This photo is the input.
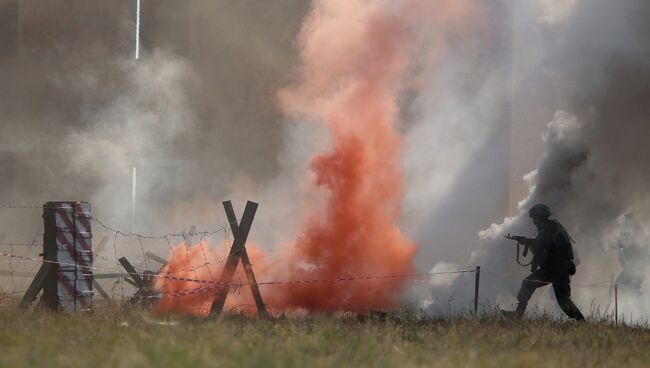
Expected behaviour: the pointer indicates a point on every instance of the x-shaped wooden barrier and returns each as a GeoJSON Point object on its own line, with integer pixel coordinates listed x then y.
{"type": "Point", "coordinates": [238, 251]}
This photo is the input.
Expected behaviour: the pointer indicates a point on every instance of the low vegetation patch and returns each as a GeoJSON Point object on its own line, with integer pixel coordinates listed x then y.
{"type": "Point", "coordinates": [114, 337]}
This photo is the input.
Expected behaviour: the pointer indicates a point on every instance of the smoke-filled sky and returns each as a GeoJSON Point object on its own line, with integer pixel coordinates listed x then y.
{"type": "Point", "coordinates": [204, 116]}
{"type": "Point", "coordinates": [593, 72]}
{"type": "Point", "coordinates": [195, 114]}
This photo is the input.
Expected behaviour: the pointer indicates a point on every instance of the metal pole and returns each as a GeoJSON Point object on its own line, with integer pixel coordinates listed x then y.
{"type": "Point", "coordinates": [476, 285]}
{"type": "Point", "coordinates": [134, 183]}
{"type": "Point", "coordinates": [616, 304]}
{"type": "Point", "coordinates": [137, 29]}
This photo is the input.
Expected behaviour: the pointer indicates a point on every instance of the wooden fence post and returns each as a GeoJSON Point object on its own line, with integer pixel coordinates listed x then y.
{"type": "Point", "coordinates": [476, 286]}
{"type": "Point", "coordinates": [616, 304]}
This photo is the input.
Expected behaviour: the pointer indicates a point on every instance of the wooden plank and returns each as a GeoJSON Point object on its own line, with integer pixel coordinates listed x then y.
{"type": "Point", "coordinates": [233, 257]}
{"type": "Point", "coordinates": [110, 275]}
{"type": "Point", "coordinates": [248, 267]}
{"type": "Point", "coordinates": [132, 272]}
{"type": "Point", "coordinates": [101, 245]}
{"type": "Point", "coordinates": [101, 290]}
{"type": "Point", "coordinates": [259, 302]}
{"type": "Point", "coordinates": [35, 286]}
{"type": "Point", "coordinates": [156, 258]}
{"type": "Point", "coordinates": [131, 282]}
{"type": "Point", "coordinates": [50, 296]}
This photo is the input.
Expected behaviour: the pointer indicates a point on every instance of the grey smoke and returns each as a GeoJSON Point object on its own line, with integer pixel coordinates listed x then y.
{"type": "Point", "coordinates": [634, 257]}
{"type": "Point", "coordinates": [197, 114]}
{"type": "Point", "coordinates": [594, 167]}
{"type": "Point", "coordinates": [458, 134]}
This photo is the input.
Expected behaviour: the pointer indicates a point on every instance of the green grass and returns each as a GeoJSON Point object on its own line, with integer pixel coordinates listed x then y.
{"type": "Point", "coordinates": [132, 338]}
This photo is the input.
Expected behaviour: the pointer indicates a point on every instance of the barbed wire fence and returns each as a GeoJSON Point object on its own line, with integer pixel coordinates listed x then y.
{"type": "Point", "coordinates": [149, 244]}
{"type": "Point", "coordinates": [23, 259]}
{"type": "Point", "coordinates": [19, 271]}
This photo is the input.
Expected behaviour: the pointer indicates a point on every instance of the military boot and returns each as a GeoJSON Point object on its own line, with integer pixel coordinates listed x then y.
{"type": "Point", "coordinates": [509, 314]}
{"type": "Point", "coordinates": [515, 314]}
{"type": "Point", "coordinates": [521, 309]}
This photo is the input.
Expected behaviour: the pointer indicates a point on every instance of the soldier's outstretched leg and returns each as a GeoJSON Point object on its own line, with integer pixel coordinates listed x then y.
{"type": "Point", "coordinates": [563, 295]}
{"type": "Point", "coordinates": [533, 281]}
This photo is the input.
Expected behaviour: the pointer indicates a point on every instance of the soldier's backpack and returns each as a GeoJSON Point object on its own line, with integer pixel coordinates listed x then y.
{"type": "Point", "coordinates": [563, 244]}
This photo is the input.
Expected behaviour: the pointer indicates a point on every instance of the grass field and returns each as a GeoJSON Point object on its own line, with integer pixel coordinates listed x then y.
{"type": "Point", "coordinates": [131, 338]}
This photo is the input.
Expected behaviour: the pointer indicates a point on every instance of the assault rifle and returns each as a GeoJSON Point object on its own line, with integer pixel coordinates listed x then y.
{"type": "Point", "coordinates": [521, 240]}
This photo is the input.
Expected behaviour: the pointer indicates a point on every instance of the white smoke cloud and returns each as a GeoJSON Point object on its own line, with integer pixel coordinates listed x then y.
{"type": "Point", "coordinates": [135, 128]}
{"type": "Point", "coordinates": [552, 12]}
{"type": "Point", "coordinates": [594, 53]}
{"type": "Point", "coordinates": [197, 119]}
{"type": "Point", "coordinates": [593, 168]}
{"type": "Point", "coordinates": [457, 132]}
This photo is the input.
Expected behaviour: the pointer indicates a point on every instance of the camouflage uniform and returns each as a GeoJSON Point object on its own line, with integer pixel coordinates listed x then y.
{"type": "Point", "coordinates": [553, 265]}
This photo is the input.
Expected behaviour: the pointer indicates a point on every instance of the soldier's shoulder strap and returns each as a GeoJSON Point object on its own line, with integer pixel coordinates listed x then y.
{"type": "Point", "coordinates": [567, 240]}
{"type": "Point", "coordinates": [563, 230]}
{"type": "Point", "coordinates": [554, 226]}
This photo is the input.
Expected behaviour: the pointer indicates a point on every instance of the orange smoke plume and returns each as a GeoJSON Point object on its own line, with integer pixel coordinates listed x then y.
{"type": "Point", "coordinates": [189, 281]}
{"type": "Point", "coordinates": [182, 296]}
{"type": "Point", "coordinates": [354, 55]}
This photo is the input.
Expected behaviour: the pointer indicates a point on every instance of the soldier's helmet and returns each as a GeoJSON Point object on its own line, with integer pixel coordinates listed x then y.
{"type": "Point", "coordinates": [540, 210]}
